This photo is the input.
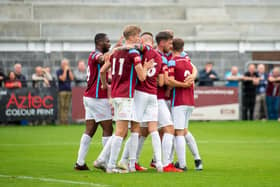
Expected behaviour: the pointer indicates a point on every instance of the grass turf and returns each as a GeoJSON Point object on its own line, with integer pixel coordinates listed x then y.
{"type": "Point", "coordinates": [234, 154]}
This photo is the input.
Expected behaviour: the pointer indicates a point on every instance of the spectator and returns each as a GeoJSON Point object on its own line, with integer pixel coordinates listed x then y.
{"type": "Point", "coordinates": [12, 81]}
{"type": "Point", "coordinates": [80, 74]}
{"type": "Point", "coordinates": [207, 76]}
{"type": "Point", "coordinates": [41, 78]}
{"type": "Point", "coordinates": [250, 82]}
{"type": "Point", "coordinates": [2, 77]}
{"type": "Point", "coordinates": [260, 111]}
{"type": "Point", "coordinates": [233, 77]}
{"type": "Point", "coordinates": [19, 75]}
{"type": "Point", "coordinates": [64, 76]}
{"type": "Point", "coordinates": [272, 94]}
{"type": "Point", "coordinates": [52, 79]}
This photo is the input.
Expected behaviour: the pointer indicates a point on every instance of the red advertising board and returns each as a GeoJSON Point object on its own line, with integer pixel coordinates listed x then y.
{"type": "Point", "coordinates": [216, 103]}
{"type": "Point", "coordinates": [211, 103]}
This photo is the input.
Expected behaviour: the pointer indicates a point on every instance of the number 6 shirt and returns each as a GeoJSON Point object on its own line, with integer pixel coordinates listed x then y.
{"type": "Point", "coordinates": [150, 84]}
{"type": "Point", "coordinates": [124, 76]}
{"type": "Point", "coordinates": [180, 68]}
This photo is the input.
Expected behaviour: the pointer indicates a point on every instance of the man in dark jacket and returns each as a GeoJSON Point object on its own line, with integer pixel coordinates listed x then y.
{"type": "Point", "coordinates": [207, 76]}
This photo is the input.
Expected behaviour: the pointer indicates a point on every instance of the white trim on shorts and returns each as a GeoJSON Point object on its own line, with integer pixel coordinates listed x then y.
{"type": "Point", "coordinates": [181, 115]}
{"type": "Point", "coordinates": [97, 109]}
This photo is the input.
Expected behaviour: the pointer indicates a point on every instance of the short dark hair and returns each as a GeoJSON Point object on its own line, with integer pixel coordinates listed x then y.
{"type": "Point", "coordinates": [163, 35]}
{"type": "Point", "coordinates": [178, 44]}
{"type": "Point", "coordinates": [99, 37]}
{"type": "Point", "coordinates": [147, 33]}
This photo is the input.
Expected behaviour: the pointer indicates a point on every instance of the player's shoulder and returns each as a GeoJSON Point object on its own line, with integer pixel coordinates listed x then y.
{"type": "Point", "coordinates": [133, 52]}
{"type": "Point", "coordinates": [94, 55]}
{"type": "Point", "coordinates": [172, 62]}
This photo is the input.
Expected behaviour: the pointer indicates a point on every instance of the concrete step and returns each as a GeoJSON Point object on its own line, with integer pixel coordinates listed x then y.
{"type": "Point", "coordinates": [19, 29]}
{"type": "Point", "coordinates": [117, 12]}
{"type": "Point", "coordinates": [199, 3]}
{"type": "Point", "coordinates": [15, 11]}
{"type": "Point", "coordinates": [54, 30]}
{"type": "Point", "coordinates": [207, 14]}
{"type": "Point", "coordinates": [217, 30]}
{"type": "Point", "coordinates": [113, 28]}
{"type": "Point", "coordinates": [252, 2]}
{"type": "Point", "coordinates": [253, 12]}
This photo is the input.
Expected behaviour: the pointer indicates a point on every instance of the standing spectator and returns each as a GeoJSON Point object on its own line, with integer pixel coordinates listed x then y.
{"type": "Point", "coordinates": [80, 74]}
{"type": "Point", "coordinates": [64, 76]}
{"type": "Point", "coordinates": [233, 77]}
{"type": "Point", "coordinates": [41, 78]}
{"type": "Point", "coordinates": [2, 76]}
{"type": "Point", "coordinates": [207, 76]}
{"type": "Point", "coordinates": [260, 111]}
{"type": "Point", "coordinates": [52, 80]}
{"type": "Point", "coordinates": [19, 75]}
{"type": "Point", "coordinates": [272, 94]}
{"type": "Point", "coordinates": [250, 82]}
{"type": "Point", "coordinates": [12, 81]}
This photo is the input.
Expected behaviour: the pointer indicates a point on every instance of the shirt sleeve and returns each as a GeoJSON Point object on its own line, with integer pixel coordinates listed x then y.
{"type": "Point", "coordinates": [171, 67]}
{"type": "Point", "coordinates": [96, 56]}
{"type": "Point", "coordinates": [135, 56]}
{"type": "Point", "coordinates": [164, 64]}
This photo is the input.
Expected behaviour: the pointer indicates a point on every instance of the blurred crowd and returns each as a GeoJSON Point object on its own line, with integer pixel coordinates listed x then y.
{"type": "Point", "coordinates": [259, 87]}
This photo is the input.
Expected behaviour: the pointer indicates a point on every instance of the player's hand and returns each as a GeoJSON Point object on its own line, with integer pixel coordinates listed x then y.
{"type": "Point", "coordinates": [189, 78]}
{"type": "Point", "coordinates": [120, 42]}
{"type": "Point", "coordinates": [149, 64]}
{"type": "Point", "coordinates": [188, 83]}
{"type": "Point", "coordinates": [104, 86]}
{"type": "Point", "coordinates": [212, 76]}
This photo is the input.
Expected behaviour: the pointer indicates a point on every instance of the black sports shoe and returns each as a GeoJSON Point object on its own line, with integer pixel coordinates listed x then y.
{"type": "Point", "coordinates": [81, 168]}
{"type": "Point", "coordinates": [178, 166]}
{"type": "Point", "coordinates": [198, 165]}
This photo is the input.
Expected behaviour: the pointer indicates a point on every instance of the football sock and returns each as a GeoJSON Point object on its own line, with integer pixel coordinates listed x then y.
{"type": "Point", "coordinates": [140, 146]}
{"type": "Point", "coordinates": [157, 148]}
{"type": "Point", "coordinates": [167, 142]}
{"type": "Point", "coordinates": [181, 150]}
{"type": "Point", "coordinates": [84, 146]}
{"type": "Point", "coordinates": [105, 153]}
{"type": "Point", "coordinates": [125, 153]}
{"type": "Point", "coordinates": [134, 138]}
{"type": "Point", "coordinates": [115, 150]}
{"type": "Point", "coordinates": [173, 150]}
{"type": "Point", "coordinates": [105, 139]}
{"type": "Point", "coordinates": [192, 145]}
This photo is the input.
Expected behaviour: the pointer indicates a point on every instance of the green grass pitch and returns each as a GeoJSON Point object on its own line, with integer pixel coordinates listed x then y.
{"type": "Point", "coordinates": [234, 154]}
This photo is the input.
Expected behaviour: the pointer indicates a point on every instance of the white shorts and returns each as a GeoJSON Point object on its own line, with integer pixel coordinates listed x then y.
{"type": "Point", "coordinates": [164, 115]}
{"type": "Point", "coordinates": [145, 107]}
{"type": "Point", "coordinates": [181, 115]}
{"type": "Point", "coordinates": [97, 109]}
{"type": "Point", "coordinates": [122, 108]}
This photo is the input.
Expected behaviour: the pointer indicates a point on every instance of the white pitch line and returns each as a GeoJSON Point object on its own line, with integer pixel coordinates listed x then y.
{"type": "Point", "coordinates": [53, 180]}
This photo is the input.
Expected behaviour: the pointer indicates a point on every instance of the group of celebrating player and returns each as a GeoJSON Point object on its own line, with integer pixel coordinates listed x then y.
{"type": "Point", "coordinates": [151, 93]}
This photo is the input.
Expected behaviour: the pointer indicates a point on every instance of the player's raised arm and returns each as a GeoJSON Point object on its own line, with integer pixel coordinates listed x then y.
{"type": "Point", "coordinates": [103, 71]}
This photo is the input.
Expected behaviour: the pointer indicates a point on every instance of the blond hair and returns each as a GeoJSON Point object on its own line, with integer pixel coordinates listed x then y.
{"type": "Point", "coordinates": [131, 30]}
